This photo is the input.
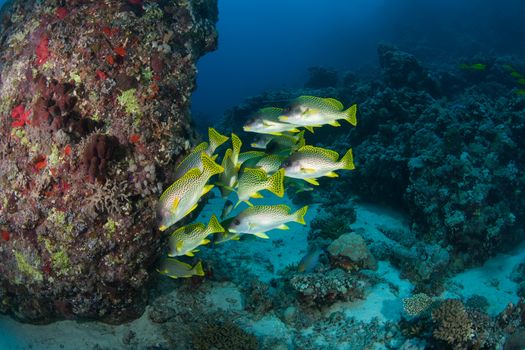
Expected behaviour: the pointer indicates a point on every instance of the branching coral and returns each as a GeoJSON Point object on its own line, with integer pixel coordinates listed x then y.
{"type": "Point", "coordinates": [416, 304]}
{"type": "Point", "coordinates": [453, 325]}
{"type": "Point", "coordinates": [223, 336]}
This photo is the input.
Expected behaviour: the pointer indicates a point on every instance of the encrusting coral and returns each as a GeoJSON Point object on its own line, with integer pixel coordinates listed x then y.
{"type": "Point", "coordinates": [93, 117]}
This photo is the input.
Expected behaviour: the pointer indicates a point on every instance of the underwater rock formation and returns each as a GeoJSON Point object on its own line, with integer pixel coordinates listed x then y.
{"type": "Point", "coordinates": [94, 114]}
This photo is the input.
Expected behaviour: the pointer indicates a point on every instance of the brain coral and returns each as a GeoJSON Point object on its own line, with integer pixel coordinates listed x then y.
{"type": "Point", "coordinates": [94, 99]}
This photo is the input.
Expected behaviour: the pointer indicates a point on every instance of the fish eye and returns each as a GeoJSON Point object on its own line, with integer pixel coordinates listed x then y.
{"type": "Point", "coordinates": [236, 222]}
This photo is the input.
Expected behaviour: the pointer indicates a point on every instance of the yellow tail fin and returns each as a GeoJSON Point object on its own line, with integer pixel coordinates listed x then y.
{"type": "Point", "coordinates": [214, 225]}
{"type": "Point", "coordinates": [276, 183]}
{"type": "Point", "coordinates": [198, 269]}
{"type": "Point", "coordinates": [351, 115]}
{"type": "Point", "coordinates": [299, 215]}
{"type": "Point", "coordinates": [216, 139]}
{"type": "Point", "coordinates": [347, 162]}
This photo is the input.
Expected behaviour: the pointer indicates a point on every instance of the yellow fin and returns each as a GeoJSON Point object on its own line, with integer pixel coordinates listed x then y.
{"type": "Point", "coordinates": [283, 227]}
{"type": "Point", "coordinates": [214, 225]}
{"type": "Point", "coordinates": [261, 235]}
{"type": "Point", "coordinates": [332, 155]}
{"type": "Point", "coordinates": [207, 189]}
{"type": "Point", "coordinates": [192, 209]}
{"type": "Point", "coordinates": [312, 181]}
{"type": "Point", "coordinates": [179, 245]}
{"type": "Point", "coordinates": [299, 215]}
{"type": "Point", "coordinates": [236, 238]}
{"type": "Point", "coordinates": [310, 128]}
{"type": "Point", "coordinates": [350, 114]}
{"type": "Point", "coordinates": [200, 147]}
{"type": "Point", "coordinates": [256, 195]}
{"type": "Point", "coordinates": [332, 174]}
{"type": "Point", "coordinates": [205, 241]}
{"type": "Point", "coordinates": [334, 103]}
{"type": "Point", "coordinates": [347, 161]}
{"type": "Point", "coordinates": [189, 254]}
{"type": "Point", "coordinates": [174, 205]}
{"type": "Point", "coordinates": [198, 269]}
{"type": "Point", "coordinates": [276, 183]}
{"type": "Point", "coordinates": [294, 130]}
{"type": "Point", "coordinates": [216, 139]}
{"type": "Point", "coordinates": [334, 123]}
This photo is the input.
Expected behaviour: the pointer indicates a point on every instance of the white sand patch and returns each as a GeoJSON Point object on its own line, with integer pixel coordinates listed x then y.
{"type": "Point", "coordinates": [492, 281]}
{"type": "Point", "coordinates": [226, 297]}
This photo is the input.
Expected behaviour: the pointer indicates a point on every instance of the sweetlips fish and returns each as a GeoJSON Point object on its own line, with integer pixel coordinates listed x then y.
{"type": "Point", "coordinates": [225, 236]}
{"type": "Point", "coordinates": [266, 121]}
{"type": "Point", "coordinates": [182, 196]}
{"type": "Point", "coordinates": [473, 66]}
{"type": "Point", "coordinates": [311, 111]}
{"type": "Point", "coordinates": [262, 218]}
{"type": "Point", "coordinates": [230, 162]}
{"type": "Point", "coordinates": [275, 144]}
{"type": "Point", "coordinates": [311, 259]}
{"type": "Point", "coordinates": [193, 160]}
{"type": "Point", "coordinates": [310, 162]}
{"type": "Point", "coordinates": [185, 239]}
{"type": "Point", "coordinates": [251, 181]}
{"type": "Point", "coordinates": [249, 155]}
{"type": "Point", "coordinates": [270, 164]}
{"type": "Point", "coordinates": [177, 269]}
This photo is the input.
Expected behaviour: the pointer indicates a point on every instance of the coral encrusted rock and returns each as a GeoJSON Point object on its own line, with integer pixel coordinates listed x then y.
{"type": "Point", "coordinates": [94, 100]}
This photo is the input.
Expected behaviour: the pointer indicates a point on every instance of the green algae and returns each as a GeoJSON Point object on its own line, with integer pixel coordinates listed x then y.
{"type": "Point", "coordinates": [129, 101]}
{"type": "Point", "coordinates": [26, 268]}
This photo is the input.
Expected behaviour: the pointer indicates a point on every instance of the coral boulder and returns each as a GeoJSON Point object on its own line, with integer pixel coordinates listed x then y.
{"type": "Point", "coordinates": [94, 99]}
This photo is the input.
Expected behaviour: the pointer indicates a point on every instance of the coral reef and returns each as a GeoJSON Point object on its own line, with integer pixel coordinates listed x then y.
{"type": "Point", "coordinates": [321, 289]}
{"type": "Point", "coordinates": [94, 114]}
{"type": "Point", "coordinates": [223, 336]}
{"type": "Point", "coordinates": [350, 252]}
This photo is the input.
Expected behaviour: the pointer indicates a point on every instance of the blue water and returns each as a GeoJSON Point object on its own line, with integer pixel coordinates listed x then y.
{"type": "Point", "coordinates": [269, 44]}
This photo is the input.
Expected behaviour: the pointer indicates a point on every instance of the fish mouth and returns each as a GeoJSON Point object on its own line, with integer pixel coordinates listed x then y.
{"type": "Point", "coordinates": [163, 228]}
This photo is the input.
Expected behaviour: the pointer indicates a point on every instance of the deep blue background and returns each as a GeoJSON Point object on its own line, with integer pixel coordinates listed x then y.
{"type": "Point", "coordinates": [270, 43]}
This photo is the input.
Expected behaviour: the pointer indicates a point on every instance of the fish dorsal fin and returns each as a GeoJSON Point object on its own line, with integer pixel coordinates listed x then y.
{"type": "Point", "coordinates": [332, 155]}
{"type": "Point", "coordinates": [227, 156]}
{"type": "Point", "coordinates": [283, 207]}
{"type": "Point", "coordinates": [214, 226]}
{"type": "Point", "coordinates": [270, 112]}
{"type": "Point", "coordinates": [236, 145]}
{"type": "Point", "coordinates": [254, 175]}
{"type": "Point", "coordinates": [334, 103]}
{"type": "Point", "coordinates": [249, 155]}
{"type": "Point", "coordinates": [201, 147]}
{"type": "Point", "coordinates": [216, 139]}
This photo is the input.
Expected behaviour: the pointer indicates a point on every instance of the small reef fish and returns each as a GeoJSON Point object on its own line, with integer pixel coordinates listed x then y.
{"type": "Point", "coordinates": [226, 236]}
{"type": "Point", "coordinates": [286, 144]}
{"type": "Point", "coordinates": [226, 209]}
{"type": "Point", "coordinates": [266, 121]}
{"type": "Point", "coordinates": [249, 155]}
{"type": "Point", "coordinates": [473, 67]}
{"type": "Point", "coordinates": [310, 162]}
{"type": "Point", "coordinates": [251, 181]}
{"type": "Point", "coordinates": [270, 164]}
{"type": "Point", "coordinates": [177, 269]}
{"type": "Point", "coordinates": [230, 162]}
{"type": "Point", "coordinates": [182, 196]}
{"type": "Point", "coordinates": [309, 262]}
{"type": "Point", "coordinates": [275, 144]}
{"type": "Point", "coordinates": [520, 92]}
{"type": "Point", "coordinates": [297, 185]}
{"type": "Point", "coordinates": [262, 218]}
{"type": "Point", "coordinates": [311, 111]}
{"type": "Point", "coordinates": [193, 160]}
{"type": "Point", "coordinates": [185, 239]}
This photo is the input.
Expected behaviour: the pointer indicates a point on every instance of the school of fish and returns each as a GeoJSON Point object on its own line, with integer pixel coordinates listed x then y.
{"type": "Point", "coordinates": [282, 159]}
